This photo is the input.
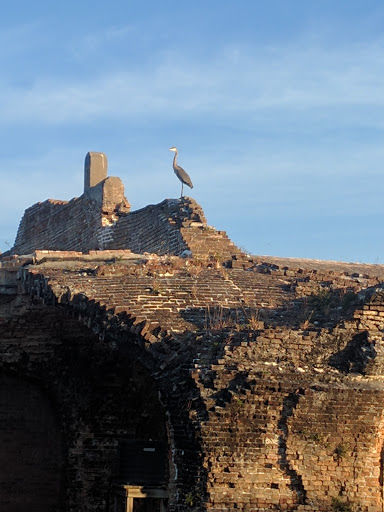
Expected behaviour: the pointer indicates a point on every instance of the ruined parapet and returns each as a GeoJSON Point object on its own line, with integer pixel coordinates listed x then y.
{"type": "Point", "coordinates": [171, 227]}
{"type": "Point", "coordinates": [101, 219]}
{"type": "Point", "coordinates": [74, 224]}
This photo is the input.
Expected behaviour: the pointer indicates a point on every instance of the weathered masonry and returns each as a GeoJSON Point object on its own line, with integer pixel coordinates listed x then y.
{"type": "Point", "coordinates": [101, 219]}
{"type": "Point", "coordinates": [218, 382]}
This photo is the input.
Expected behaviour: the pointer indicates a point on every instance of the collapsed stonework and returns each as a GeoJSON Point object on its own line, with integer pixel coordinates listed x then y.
{"type": "Point", "coordinates": [100, 219]}
{"type": "Point", "coordinates": [257, 382]}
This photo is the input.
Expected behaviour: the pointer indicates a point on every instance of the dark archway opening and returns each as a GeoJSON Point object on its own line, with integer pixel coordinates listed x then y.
{"type": "Point", "coordinates": [30, 448]}
{"type": "Point", "coordinates": [116, 416]}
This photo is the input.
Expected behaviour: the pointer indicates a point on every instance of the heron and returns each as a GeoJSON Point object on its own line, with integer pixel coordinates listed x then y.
{"type": "Point", "coordinates": [180, 173]}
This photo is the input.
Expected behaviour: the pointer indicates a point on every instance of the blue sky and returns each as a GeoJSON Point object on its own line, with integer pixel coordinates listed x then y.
{"type": "Point", "coordinates": [276, 107]}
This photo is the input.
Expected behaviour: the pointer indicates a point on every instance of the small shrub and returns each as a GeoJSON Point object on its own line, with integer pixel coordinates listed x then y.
{"type": "Point", "coordinates": [190, 499]}
{"type": "Point", "coordinates": [340, 451]}
{"type": "Point", "coordinates": [321, 302]}
{"type": "Point", "coordinates": [341, 506]}
{"type": "Point", "coordinates": [348, 300]}
{"type": "Point", "coordinates": [315, 437]}
{"type": "Point", "coordinates": [216, 346]}
{"type": "Point", "coordinates": [218, 318]}
{"type": "Point", "coordinates": [155, 289]}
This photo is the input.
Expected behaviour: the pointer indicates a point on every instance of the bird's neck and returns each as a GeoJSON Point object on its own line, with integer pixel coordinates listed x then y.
{"type": "Point", "coordinates": [175, 159]}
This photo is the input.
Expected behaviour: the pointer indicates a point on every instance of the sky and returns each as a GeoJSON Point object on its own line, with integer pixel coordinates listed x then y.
{"type": "Point", "coordinates": [276, 108]}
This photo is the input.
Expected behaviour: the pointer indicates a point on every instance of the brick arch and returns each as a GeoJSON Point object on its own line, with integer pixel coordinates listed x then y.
{"type": "Point", "coordinates": [102, 395]}
{"type": "Point", "coordinates": [30, 448]}
{"type": "Point", "coordinates": [153, 400]}
{"type": "Point", "coordinates": [119, 340]}
{"type": "Point", "coordinates": [149, 403]}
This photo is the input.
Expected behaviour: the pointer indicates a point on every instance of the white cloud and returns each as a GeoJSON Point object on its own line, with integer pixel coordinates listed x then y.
{"type": "Point", "coordinates": [240, 83]}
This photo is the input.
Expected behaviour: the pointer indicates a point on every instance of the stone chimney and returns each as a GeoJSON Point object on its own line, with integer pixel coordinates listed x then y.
{"type": "Point", "coordinates": [95, 169]}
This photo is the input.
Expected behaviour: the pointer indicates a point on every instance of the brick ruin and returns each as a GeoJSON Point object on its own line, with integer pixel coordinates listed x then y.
{"type": "Point", "coordinates": [218, 381]}
{"type": "Point", "coordinates": [100, 219]}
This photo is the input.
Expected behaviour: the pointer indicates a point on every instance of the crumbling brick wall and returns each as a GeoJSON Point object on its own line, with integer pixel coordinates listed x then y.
{"type": "Point", "coordinates": [101, 219]}
{"type": "Point", "coordinates": [264, 411]}
{"type": "Point", "coordinates": [77, 225]}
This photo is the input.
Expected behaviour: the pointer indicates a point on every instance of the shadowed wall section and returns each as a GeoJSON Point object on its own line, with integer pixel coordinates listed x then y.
{"type": "Point", "coordinates": [30, 448]}
{"type": "Point", "coordinates": [68, 402]}
{"type": "Point", "coordinates": [78, 224]}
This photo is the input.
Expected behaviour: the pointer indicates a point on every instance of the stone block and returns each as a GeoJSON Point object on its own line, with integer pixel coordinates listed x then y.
{"type": "Point", "coordinates": [95, 169]}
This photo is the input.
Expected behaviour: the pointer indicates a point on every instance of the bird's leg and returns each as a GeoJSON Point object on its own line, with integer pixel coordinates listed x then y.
{"type": "Point", "coordinates": [182, 184]}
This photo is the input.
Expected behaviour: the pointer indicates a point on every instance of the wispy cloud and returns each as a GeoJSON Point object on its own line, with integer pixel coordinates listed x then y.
{"type": "Point", "coordinates": [91, 44]}
{"type": "Point", "coordinates": [239, 82]}
{"type": "Point", "coordinates": [19, 39]}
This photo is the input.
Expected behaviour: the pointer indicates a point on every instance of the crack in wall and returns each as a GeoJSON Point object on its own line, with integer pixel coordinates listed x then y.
{"type": "Point", "coordinates": [290, 403]}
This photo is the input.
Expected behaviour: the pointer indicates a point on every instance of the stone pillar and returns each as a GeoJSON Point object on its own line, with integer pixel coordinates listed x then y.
{"type": "Point", "coordinates": [95, 169]}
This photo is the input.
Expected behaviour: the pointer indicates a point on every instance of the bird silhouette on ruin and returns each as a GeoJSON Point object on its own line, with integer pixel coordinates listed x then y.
{"type": "Point", "coordinates": [180, 173]}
